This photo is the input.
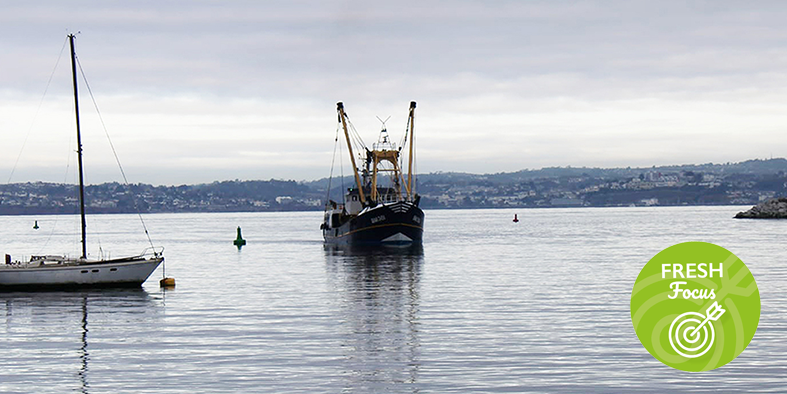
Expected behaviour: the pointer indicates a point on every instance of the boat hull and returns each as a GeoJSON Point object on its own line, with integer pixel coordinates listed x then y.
{"type": "Point", "coordinates": [399, 223]}
{"type": "Point", "coordinates": [127, 272]}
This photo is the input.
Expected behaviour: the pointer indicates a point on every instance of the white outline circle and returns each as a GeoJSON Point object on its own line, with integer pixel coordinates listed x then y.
{"type": "Point", "coordinates": [676, 333]}
{"type": "Point", "coordinates": [686, 332]}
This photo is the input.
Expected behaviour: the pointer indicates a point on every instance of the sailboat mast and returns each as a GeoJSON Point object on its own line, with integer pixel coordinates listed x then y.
{"type": "Point", "coordinates": [79, 147]}
{"type": "Point", "coordinates": [340, 108]}
{"type": "Point", "coordinates": [410, 189]}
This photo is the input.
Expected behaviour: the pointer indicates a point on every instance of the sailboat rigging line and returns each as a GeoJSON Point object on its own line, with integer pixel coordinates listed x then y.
{"type": "Point", "coordinates": [114, 152]}
{"type": "Point", "coordinates": [53, 228]}
{"type": "Point", "coordinates": [402, 144]}
{"type": "Point", "coordinates": [357, 140]}
{"type": "Point", "coordinates": [35, 116]}
{"type": "Point", "coordinates": [415, 167]}
{"type": "Point", "coordinates": [54, 225]}
{"type": "Point", "coordinates": [333, 160]}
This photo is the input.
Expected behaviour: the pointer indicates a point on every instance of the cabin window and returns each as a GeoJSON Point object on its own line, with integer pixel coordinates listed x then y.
{"type": "Point", "coordinates": [84, 271]}
{"type": "Point", "coordinates": [113, 269]}
{"type": "Point", "coordinates": [95, 270]}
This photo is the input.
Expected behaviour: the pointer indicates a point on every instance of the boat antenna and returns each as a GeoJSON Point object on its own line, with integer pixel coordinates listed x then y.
{"type": "Point", "coordinates": [383, 121]}
{"type": "Point", "coordinates": [79, 146]}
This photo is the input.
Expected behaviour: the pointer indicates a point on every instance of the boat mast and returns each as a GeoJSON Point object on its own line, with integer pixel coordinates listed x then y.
{"type": "Point", "coordinates": [340, 109]}
{"type": "Point", "coordinates": [79, 147]}
{"type": "Point", "coordinates": [410, 190]}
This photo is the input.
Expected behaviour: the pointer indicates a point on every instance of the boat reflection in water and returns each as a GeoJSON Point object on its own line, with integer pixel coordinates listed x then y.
{"type": "Point", "coordinates": [379, 303]}
{"type": "Point", "coordinates": [65, 322]}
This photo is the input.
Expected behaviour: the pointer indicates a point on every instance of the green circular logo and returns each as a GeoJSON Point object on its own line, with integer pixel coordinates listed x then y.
{"type": "Point", "coordinates": [695, 306]}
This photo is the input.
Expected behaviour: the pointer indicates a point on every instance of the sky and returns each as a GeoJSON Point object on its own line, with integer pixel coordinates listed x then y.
{"type": "Point", "coordinates": [202, 91]}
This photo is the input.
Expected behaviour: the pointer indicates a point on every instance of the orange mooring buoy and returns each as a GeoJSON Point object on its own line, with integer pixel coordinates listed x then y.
{"type": "Point", "coordinates": [515, 219]}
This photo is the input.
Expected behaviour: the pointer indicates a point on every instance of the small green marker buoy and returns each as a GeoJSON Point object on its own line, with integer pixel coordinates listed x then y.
{"type": "Point", "coordinates": [239, 241]}
{"type": "Point", "coordinates": [35, 226]}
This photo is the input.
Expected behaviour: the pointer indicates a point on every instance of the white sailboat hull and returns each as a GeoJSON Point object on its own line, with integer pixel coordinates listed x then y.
{"type": "Point", "coordinates": [64, 273]}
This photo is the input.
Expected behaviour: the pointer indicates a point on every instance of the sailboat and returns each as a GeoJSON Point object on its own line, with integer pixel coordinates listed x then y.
{"type": "Point", "coordinates": [373, 213]}
{"type": "Point", "coordinates": [60, 271]}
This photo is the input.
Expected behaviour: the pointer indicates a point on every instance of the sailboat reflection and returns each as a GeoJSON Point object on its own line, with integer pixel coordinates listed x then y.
{"type": "Point", "coordinates": [84, 356]}
{"type": "Point", "coordinates": [378, 291]}
{"type": "Point", "coordinates": [62, 317]}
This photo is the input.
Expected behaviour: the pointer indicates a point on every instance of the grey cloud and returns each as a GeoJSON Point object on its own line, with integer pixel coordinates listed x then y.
{"type": "Point", "coordinates": [564, 79]}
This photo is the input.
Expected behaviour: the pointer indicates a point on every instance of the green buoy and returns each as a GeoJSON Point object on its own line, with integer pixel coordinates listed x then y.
{"type": "Point", "coordinates": [239, 241]}
{"type": "Point", "coordinates": [35, 226]}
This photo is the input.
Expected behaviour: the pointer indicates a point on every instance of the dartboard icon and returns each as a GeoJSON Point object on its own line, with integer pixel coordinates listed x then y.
{"type": "Point", "coordinates": [692, 334]}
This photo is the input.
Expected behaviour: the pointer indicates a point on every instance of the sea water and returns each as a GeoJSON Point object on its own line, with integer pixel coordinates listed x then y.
{"type": "Point", "coordinates": [486, 305]}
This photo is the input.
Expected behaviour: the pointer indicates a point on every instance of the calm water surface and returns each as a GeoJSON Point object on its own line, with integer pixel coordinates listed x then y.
{"type": "Point", "coordinates": [486, 305]}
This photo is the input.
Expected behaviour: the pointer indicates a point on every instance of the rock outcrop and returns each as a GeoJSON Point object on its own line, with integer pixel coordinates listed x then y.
{"type": "Point", "coordinates": [775, 208]}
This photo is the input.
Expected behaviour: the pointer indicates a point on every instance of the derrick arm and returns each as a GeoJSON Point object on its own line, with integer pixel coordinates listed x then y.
{"type": "Point", "coordinates": [411, 122]}
{"type": "Point", "coordinates": [342, 117]}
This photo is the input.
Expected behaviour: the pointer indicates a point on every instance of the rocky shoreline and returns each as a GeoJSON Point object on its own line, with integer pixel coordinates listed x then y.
{"type": "Point", "coordinates": [775, 208]}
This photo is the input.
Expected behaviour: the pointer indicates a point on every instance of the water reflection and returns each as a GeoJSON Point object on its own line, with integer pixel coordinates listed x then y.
{"type": "Point", "coordinates": [61, 324]}
{"type": "Point", "coordinates": [84, 356]}
{"type": "Point", "coordinates": [378, 292]}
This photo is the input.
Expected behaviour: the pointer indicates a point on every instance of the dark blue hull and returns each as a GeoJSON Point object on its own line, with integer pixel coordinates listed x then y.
{"type": "Point", "coordinates": [399, 223]}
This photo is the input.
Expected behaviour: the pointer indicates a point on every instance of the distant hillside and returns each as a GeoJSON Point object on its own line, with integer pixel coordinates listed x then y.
{"type": "Point", "coordinates": [757, 167]}
{"type": "Point", "coordinates": [754, 167]}
{"type": "Point", "coordinates": [226, 196]}
{"type": "Point", "coordinates": [747, 182]}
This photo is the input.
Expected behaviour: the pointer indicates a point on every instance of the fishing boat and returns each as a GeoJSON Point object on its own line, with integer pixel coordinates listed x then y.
{"type": "Point", "coordinates": [60, 271]}
{"type": "Point", "coordinates": [382, 207]}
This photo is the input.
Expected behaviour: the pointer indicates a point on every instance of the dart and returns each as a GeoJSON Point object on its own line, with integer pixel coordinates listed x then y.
{"type": "Point", "coordinates": [714, 312]}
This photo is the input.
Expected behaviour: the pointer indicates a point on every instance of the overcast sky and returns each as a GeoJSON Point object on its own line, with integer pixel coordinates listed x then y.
{"type": "Point", "coordinates": [198, 91]}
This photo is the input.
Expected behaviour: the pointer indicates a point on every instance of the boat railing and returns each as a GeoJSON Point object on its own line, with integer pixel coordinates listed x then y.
{"type": "Point", "coordinates": [155, 251]}
{"type": "Point", "coordinates": [36, 261]}
{"type": "Point", "coordinates": [333, 205]}
{"type": "Point", "coordinates": [383, 146]}
{"type": "Point", "coordinates": [47, 257]}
